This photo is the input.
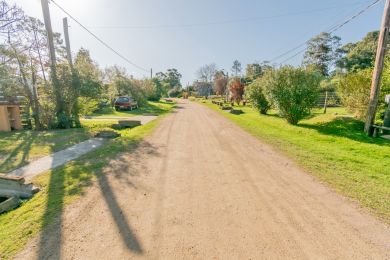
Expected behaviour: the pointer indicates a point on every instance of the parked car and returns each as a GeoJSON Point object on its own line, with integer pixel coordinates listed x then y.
{"type": "Point", "coordinates": [126, 103]}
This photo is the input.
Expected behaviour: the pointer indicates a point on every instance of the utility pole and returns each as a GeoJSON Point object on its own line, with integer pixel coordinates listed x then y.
{"type": "Point", "coordinates": [376, 77]}
{"type": "Point", "coordinates": [75, 79]}
{"type": "Point", "coordinates": [67, 42]}
{"type": "Point", "coordinates": [49, 30]}
{"type": "Point", "coordinates": [60, 109]}
{"type": "Point", "coordinates": [151, 73]}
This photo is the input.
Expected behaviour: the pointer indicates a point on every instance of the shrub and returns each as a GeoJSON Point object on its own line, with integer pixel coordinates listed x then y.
{"type": "Point", "coordinates": [87, 105]}
{"type": "Point", "coordinates": [130, 87]}
{"type": "Point", "coordinates": [255, 93]}
{"type": "Point", "coordinates": [294, 91]}
{"type": "Point", "coordinates": [220, 83]}
{"type": "Point", "coordinates": [154, 90]}
{"type": "Point", "coordinates": [236, 90]}
{"type": "Point", "coordinates": [354, 91]}
{"type": "Point", "coordinates": [175, 92]}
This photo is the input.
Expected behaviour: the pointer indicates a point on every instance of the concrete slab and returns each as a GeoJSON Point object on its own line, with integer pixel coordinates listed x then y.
{"type": "Point", "coordinates": [144, 119]}
{"type": "Point", "coordinates": [57, 159]}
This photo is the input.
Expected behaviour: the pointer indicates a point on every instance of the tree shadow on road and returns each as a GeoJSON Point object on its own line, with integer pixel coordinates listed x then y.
{"type": "Point", "coordinates": [20, 153]}
{"type": "Point", "coordinates": [71, 180]}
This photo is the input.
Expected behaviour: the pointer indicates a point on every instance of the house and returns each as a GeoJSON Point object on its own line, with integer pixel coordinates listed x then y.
{"type": "Point", "coordinates": [10, 118]}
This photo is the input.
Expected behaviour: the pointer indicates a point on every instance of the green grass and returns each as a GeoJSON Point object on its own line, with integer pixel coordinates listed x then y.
{"type": "Point", "coordinates": [333, 148]}
{"type": "Point", "coordinates": [159, 107]}
{"type": "Point", "coordinates": [20, 147]}
{"type": "Point", "coordinates": [62, 186]}
{"type": "Point", "coordinates": [17, 148]}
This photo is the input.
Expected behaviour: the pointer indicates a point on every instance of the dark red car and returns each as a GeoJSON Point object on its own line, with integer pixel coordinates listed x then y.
{"type": "Point", "coordinates": [125, 103]}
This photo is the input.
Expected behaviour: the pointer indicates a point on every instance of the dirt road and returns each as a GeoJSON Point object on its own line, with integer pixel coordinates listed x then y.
{"type": "Point", "coordinates": [201, 188]}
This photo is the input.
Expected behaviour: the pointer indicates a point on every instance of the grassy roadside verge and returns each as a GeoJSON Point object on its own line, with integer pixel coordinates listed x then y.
{"type": "Point", "coordinates": [19, 148]}
{"type": "Point", "coordinates": [152, 107]}
{"type": "Point", "coordinates": [61, 187]}
{"type": "Point", "coordinates": [331, 147]}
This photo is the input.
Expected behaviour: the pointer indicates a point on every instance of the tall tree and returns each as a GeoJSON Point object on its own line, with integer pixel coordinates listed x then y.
{"type": "Point", "coordinates": [322, 52]}
{"type": "Point", "coordinates": [253, 71]}
{"type": "Point", "coordinates": [206, 72]}
{"type": "Point", "coordinates": [205, 75]}
{"type": "Point", "coordinates": [171, 78]}
{"type": "Point", "coordinates": [9, 84]}
{"type": "Point", "coordinates": [89, 73]}
{"type": "Point", "coordinates": [360, 55]}
{"type": "Point", "coordinates": [9, 16]}
{"type": "Point", "coordinates": [220, 82]}
{"type": "Point", "coordinates": [236, 68]}
{"type": "Point", "coordinates": [24, 50]}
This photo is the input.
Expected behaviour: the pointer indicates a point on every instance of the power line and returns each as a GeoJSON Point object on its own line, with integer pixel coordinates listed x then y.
{"type": "Point", "coordinates": [217, 22]}
{"type": "Point", "coordinates": [293, 56]}
{"type": "Point", "coordinates": [306, 35]}
{"type": "Point", "coordinates": [354, 16]}
{"type": "Point", "coordinates": [332, 29]}
{"type": "Point", "coordinates": [97, 38]}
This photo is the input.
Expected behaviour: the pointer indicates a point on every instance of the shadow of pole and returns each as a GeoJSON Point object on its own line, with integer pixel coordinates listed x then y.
{"type": "Point", "coordinates": [51, 235]}
{"type": "Point", "coordinates": [51, 238]}
{"type": "Point", "coordinates": [128, 236]}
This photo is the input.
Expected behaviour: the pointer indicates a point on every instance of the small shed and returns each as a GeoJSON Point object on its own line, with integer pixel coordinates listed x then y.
{"type": "Point", "coordinates": [10, 116]}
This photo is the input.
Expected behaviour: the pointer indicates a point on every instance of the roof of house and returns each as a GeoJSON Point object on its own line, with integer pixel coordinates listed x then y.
{"type": "Point", "coordinates": [6, 101]}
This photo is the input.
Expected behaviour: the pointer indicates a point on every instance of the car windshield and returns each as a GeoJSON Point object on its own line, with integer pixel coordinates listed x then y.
{"type": "Point", "coordinates": [122, 99]}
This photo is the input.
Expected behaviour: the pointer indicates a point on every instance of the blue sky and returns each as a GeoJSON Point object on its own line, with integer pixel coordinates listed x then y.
{"type": "Point", "coordinates": [185, 34]}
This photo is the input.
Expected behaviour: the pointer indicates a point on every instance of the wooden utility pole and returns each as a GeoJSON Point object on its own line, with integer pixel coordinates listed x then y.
{"type": "Point", "coordinates": [67, 42]}
{"type": "Point", "coordinates": [75, 79]}
{"type": "Point", "coordinates": [376, 77]}
{"type": "Point", "coordinates": [49, 30]}
{"type": "Point", "coordinates": [60, 107]}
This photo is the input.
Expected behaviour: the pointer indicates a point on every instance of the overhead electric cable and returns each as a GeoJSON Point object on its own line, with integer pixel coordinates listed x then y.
{"type": "Point", "coordinates": [246, 19]}
{"type": "Point", "coordinates": [332, 29]}
{"type": "Point", "coordinates": [97, 38]}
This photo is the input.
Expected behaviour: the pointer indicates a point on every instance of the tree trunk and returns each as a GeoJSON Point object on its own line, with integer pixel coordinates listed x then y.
{"type": "Point", "coordinates": [76, 108]}
{"type": "Point", "coordinates": [35, 102]}
{"type": "Point", "coordinates": [28, 91]}
{"type": "Point", "coordinates": [40, 57]}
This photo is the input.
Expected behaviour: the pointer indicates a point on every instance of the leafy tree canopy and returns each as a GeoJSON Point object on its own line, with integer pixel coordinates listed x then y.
{"type": "Point", "coordinates": [360, 55]}
{"type": "Point", "coordinates": [89, 74]}
{"type": "Point", "coordinates": [171, 78]}
{"type": "Point", "coordinates": [236, 68]}
{"type": "Point", "coordinates": [322, 52]}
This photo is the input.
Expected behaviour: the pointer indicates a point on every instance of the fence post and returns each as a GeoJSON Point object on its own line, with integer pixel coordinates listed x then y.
{"type": "Point", "coordinates": [326, 101]}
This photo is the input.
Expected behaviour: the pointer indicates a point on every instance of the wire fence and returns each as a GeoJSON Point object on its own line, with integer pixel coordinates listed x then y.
{"type": "Point", "coordinates": [331, 98]}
